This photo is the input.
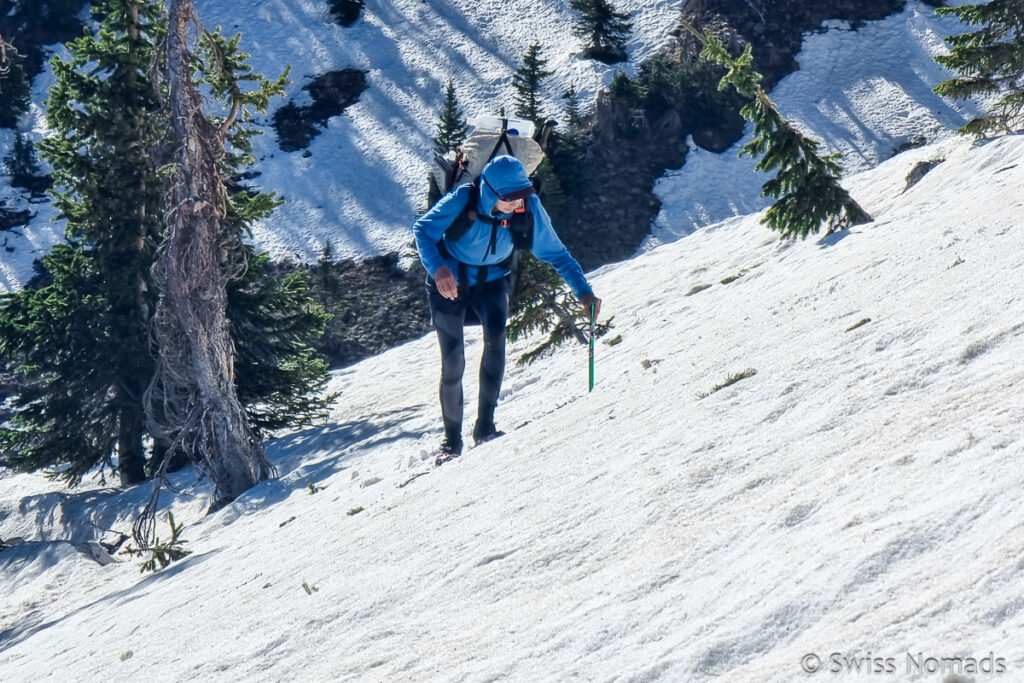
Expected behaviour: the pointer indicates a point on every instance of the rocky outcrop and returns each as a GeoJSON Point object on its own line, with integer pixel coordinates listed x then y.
{"type": "Point", "coordinates": [14, 218]}
{"type": "Point", "coordinates": [920, 170]}
{"type": "Point", "coordinates": [635, 137]}
{"type": "Point", "coordinates": [332, 93]}
{"type": "Point", "coordinates": [345, 12]}
{"type": "Point", "coordinates": [776, 28]}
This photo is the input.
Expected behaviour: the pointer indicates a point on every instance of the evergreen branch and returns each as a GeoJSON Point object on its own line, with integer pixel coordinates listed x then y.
{"type": "Point", "coordinates": [806, 185]}
{"type": "Point", "coordinates": [161, 552]}
{"type": "Point", "coordinates": [566, 320]}
{"type": "Point", "coordinates": [989, 61]}
{"type": "Point", "coordinates": [221, 60]}
{"type": "Point", "coordinates": [729, 381]}
{"type": "Point", "coordinates": [236, 105]}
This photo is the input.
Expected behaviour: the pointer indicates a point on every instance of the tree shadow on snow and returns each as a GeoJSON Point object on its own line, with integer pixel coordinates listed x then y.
{"type": "Point", "coordinates": [833, 239]}
{"type": "Point", "coordinates": [27, 627]}
{"type": "Point", "coordinates": [303, 457]}
{"type": "Point", "coordinates": [316, 454]}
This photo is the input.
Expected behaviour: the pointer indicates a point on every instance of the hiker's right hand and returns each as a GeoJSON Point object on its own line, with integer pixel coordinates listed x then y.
{"type": "Point", "coordinates": [446, 284]}
{"type": "Point", "coordinates": [589, 299]}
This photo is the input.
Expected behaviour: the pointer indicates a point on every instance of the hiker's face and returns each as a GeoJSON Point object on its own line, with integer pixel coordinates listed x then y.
{"type": "Point", "coordinates": [508, 207]}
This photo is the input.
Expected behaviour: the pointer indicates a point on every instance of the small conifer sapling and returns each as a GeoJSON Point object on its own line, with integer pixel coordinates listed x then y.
{"type": "Point", "coordinates": [527, 83]}
{"type": "Point", "coordinates": [451, 128]}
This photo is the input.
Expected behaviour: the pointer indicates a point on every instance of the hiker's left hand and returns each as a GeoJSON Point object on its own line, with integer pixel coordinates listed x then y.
{"type": "Point", "coordinates": [447, 286]}
{"type": "Point", "coordinates": [588, 299]}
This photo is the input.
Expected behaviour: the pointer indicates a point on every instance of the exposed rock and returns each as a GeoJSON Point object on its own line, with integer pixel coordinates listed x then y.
{"type": "Point", "coordinates": [606, 55]}
{"type": "Point", "coordinates": [332, 93]}
{"type": "Point", "coordinates": [345, 12]}
{"type": "Point", "coordinates": [14, 219]}
{"type": "Point", "coordinates": [775, 28]}
{"type": "Point", "coordinates": [912, 143]}
{"type": "Point", "coordinates": [919, 171]}
{"type": "Point", "coordinates": [630, 147]}
{"type": "Point", "coordinates": [634, 140]}
{"type": "Point", "coordinates": [37, 185]}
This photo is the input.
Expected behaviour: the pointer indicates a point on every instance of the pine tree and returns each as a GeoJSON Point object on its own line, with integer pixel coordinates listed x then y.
{"type": "Point", "coordinates": [281, 379]}
{"type": "Point", "coordinates": [603, 27]}
{"type": "Point", "coordinates": [990, 61]}
{"type": "Point", "coordinates": [806, 187]}
{"type": "Point", "coordinates": [79, 341]}
{"type": "Point", "coordinates": [526, 81]}
{"type": "Point", "coordinates": [451, 128]}
{"type": "Point", "coordinates": [565, 171]}
{"type": "Point", "coordinates": [573, 113]}
{"type": "Point", "coordinates": [105, 153]}
{"type": "Point", "coordinates": [70, 409]}
{"type": "Point", "coordinates": [21, 164]}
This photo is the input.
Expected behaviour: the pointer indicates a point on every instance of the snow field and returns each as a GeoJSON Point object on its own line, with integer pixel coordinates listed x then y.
{"type": "Point", "coordinates": [859, 494]}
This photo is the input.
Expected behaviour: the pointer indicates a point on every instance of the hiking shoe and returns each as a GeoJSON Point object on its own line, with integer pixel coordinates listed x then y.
{"type": "Point", "coordinates": [447, 452]}
{"type": "Point", "coordinates": [477, 440]}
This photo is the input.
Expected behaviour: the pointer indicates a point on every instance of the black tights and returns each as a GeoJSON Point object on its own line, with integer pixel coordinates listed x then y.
{"type": "Point", "coordinates": [489, 303]}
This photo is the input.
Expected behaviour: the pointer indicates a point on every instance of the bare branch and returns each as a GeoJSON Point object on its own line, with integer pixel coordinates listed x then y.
{"type": "Point", "coordinates": [236, 105]}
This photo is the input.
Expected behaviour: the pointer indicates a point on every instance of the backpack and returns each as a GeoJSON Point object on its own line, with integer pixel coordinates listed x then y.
{"type": "Point", "coordinates": [464, 166]}
{"type": "Point", "coordinates": [486, 142]}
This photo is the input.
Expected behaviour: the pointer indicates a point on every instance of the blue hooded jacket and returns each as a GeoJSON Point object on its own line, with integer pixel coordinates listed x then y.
{"type": "Point", "coordinates": [502, 176]}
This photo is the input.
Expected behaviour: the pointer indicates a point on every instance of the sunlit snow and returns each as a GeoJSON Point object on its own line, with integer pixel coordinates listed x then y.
{"type": "Point", "coordinates": [853, 504]}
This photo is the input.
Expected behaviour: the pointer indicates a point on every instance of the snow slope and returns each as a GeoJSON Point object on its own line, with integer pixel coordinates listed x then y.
{"type": "Point", "coordinates": [855, 503]}
{"type": "Point", "coordinates": [365, 179]}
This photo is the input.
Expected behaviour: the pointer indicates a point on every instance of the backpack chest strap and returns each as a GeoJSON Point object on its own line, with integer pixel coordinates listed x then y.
{"type": "Point", "coordinates": [520, 224]}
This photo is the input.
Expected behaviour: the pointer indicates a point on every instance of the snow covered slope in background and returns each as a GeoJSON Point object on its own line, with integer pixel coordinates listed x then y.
{"type": "Point", "coordinates": [364, 180]}
{"type": "Point", "coordinates": [861, 494]}
{"type": "Point", "coordinates": [865, 94]}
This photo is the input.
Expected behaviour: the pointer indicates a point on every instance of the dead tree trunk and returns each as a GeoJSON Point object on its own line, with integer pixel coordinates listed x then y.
{"type": "Point", "coordinates": [192, 403]}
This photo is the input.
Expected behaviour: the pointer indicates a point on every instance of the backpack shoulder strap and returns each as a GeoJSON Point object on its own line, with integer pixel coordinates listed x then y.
{"type": "Point", "coordinates": [502, 140]}
{"type": "Point", "coordinates": [460, 226]}
{"type": "Point", "coordinates": [521, 227]}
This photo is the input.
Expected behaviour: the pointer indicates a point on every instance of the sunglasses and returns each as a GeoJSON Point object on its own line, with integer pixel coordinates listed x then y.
{"type": "Point", "coordinates": [513, 196]}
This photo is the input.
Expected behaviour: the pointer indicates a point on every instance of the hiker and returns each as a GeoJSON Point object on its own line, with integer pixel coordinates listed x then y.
{"type": "Point", "coordinates": [472, 274]}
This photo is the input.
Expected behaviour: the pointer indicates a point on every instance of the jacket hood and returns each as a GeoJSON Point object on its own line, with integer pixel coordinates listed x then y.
{"type": "Point", "coordinates": [504, 176]}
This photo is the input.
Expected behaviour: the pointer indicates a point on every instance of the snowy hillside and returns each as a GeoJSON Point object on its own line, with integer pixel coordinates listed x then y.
{"type": "Point", "coordinates": [865, 109]}
{"type": "Point", "coordinates": [855, 503]}
{"type": "Point", "coordinates": [362, 180]}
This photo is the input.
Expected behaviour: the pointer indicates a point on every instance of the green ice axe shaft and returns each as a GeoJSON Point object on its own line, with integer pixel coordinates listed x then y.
{"type": "Point", "coordinates": [591, 354]}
